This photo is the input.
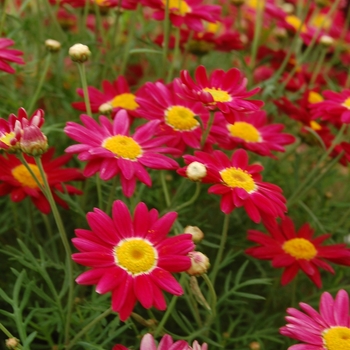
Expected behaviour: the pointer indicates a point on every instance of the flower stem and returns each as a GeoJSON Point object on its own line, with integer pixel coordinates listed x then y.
{"type": "Point", "coordinates": [3, 16]}
{"type": "Point", "coordinates": [81, 68]}
{"type": "Point", "coordinates": [213, 298]}
{"type": "Point", "coordinates": [165, 189]}
{"type": "Point", "coordinates": [166, 29]}
{"type": "Point", "coordinates": [8, 334]}
{"type": "Point", "coordinates": [62, 232]}
{"type": "Point", "coordinates": [207, 130]}
{"type": "Point", "coordinates": [192, 200]}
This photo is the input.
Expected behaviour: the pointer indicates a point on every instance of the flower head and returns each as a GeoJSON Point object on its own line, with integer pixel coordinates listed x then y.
{"type": "Point", "coordinates": [239, 184]}
{"type": "Point", "coordinates": [327, 329]}
{"type": "Point", "coordinates": [79, 53]}
{"type": "Point", "coordinates": [9, 55]}
{"type": "Point", "coordinates": [109, 148]}
{"type": "Point", "coordinates": [224, 91]}
{"type": "Point", "coordinates": [296, 251]}
{"type": "Point", "coordinates": [132, 258]}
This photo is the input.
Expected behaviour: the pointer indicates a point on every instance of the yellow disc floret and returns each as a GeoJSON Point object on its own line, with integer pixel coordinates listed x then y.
{"type": "Point", "coordinates": [346, 103]}
{"type": "Point", "coordinates": [296, 23]}
{"type": "Point", "coordinates": [244, 131]}
{"type": "Point", "coordinates": [125, 101]}
{"type": "Point", "coordinates": [180, 7]}
{"type": "Point", "coordinates": [136, 256]}
{"type": "Point", "coordinates": [24, 177]}
{"type": "Point", "coordinates": [218, 94]}
{"type": "Point", "coordinates": [337, 338]}
{"type": "Point", "coordinates": [314, 97]}
{"type": "Point", "coordinates": [238, 178]}
{"type": "Point", "coordinates": [123, 146]}
{"type": "Point", "coordinates": [300, 248]}
{"type": "Point", "coordinates": [181, 118]}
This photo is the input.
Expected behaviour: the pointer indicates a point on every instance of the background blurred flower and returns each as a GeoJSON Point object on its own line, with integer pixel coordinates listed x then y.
{"type": "Point", "coordinates": [9, 55]}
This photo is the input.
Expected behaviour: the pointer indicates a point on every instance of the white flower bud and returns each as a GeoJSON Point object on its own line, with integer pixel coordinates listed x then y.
{"type": "Point", "coordinates": [79, 53]}
{"type": "Point", "coordinates": [200, 264]}
{"type": "Point", "coordinates": [196, 171]}
{"type": "Point", "coordinates": [196, 232]}
{"type": "Point", "coordinates": [53, 45]}
{"type": "Point", "coordinates": [326, 40]}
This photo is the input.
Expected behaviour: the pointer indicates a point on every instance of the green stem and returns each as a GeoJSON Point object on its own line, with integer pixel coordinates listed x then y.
{"type": "Point", "coordinates": [99, 27]}
{"type": "Point", "coordinates": [111, 194]}
{"type": "Point", "coordinates": [165, 189]}
{"type": "Point", "coordinates": [207, 130]}
{"type": "Point", "coordinates": [8, 334]}
{"type": "Point", "coordinates": [88, 326]}
{"type": "Point", "coordinates": [3, 16]}
{"type": "Point", "coordinates": [221, 249]}
{"type": "Point", "coordinates": [53, 16]}
{"type": "Point", "coordinates": [99, 190]}
{"type": "Point", "coordinates": [62, 232]}
{"type": "Point", "coordinates": [192, 200]}
{"type": "Point", "coordinates": [81, 68]}
{"type": "Point", "coordinates": [166, 30]}
{"type": "Point", "coordinates": [176, 56]}
{"type": "Point", "coordinates": [213, 298]}
{"type": "Point", "coordinates": [40, 85]}
{"type": "Point", "coordinates": [319, 65]}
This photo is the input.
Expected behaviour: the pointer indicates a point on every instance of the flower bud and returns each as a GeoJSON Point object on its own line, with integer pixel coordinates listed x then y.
{"type": "Point", "coordinates": [326, 40]}
{"type": "Point", "coordinates": [79, 53]}
{"type": "Point", "coordinates": [12, 343]}
{"type": "Point", "coordinates": [33, 141]}
{"type": "Point", "coordinates": [254, 345]}
{"type": "Point", "coordinates": [200, 264]}
{"type": "Point", "coordinates": [105, 108]}
{"type": "Point", "coordinates": [196, 232]}
{"type": "Point", "coordinates": [196, 171]}
{"type": "Point", "coordinates": [53, 45]}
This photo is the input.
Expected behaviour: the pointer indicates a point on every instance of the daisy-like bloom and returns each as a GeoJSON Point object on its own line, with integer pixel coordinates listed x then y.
{"type": "Point", "coordinates": [109, 148]}
{"type": "Point", "coordinates": [222, 91]}
{"type": "Point", "coordinates": [252, 132]}
{"type": "Point", "coordinates": [335, 107]}
{"type": "Point", "coordinates": [115, 96]}
{"type": "Point", "coordinates": [328, 329]}
{"type": "Point", "coordinates": [239, 184]}
{"type": "Point", "coordinates": [11, 130]}
{"type": "Point", "coordinates": [132, 258]}
{"type": "Point", "coordinates": [189, 12]}
{"type": "Point", "coordinates": [16, 180]}
{"type": "Point", "coordinates": [9, 55]}
{"type": "Point", "coordinates": [166, 343]}
{"type": "Point", "coordinates": [296, 251]}
{"type": "Point", "coordinates": [179, 119]}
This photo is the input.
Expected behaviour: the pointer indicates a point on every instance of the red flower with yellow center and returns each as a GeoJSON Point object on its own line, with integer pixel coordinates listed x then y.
{"type": "Point", "coordinates": [9, 55]}
{"type": "Point", "coordinates": [296, 251]}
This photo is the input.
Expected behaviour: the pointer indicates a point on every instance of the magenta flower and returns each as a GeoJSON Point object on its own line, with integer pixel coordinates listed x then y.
{"type": "Point", "coordinates": [9, 55]}
{"type": "Point", "coordinates": [327, 330]}
{"type": "Point", "coordinates": [132, 258]}
{"type": "Point", "coordinates": [109, 148]}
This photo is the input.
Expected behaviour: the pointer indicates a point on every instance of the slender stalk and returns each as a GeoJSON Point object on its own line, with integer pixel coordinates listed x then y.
{"type": "Point", "coordinates": [99, 191]}
{"type": "Point", "coordinates": [40, 84]}
{"type": "Point", "coordinates": [191, 200]}
{"type": "Point", "coordinates": [8, 334]}
{"type": "Point", "coordinates": [99, 27]}
{"type": "Point", "coordinates": [166, 30]}
{"type": "Point", "coordinates": [175, 60]}
{"type": "Point", "coordinates": [81, 68]}
{"type": "Point", "coordinates": [319, 65]}
{"type": "Point", "coordinates": [53, 17]}
{"type": "Point", "coordinates": [207, 130]}
{"type": "Point", "coordinates": [87, 327]}
{"type": "Point", "coordinates": [3, 16]}
{"type": "Point", "coordinates": [62, 232]}
{"type": "Point", "coordinates": [111, 194]}
{"type": "Point", "coordinates": [165, 189]}
{"type": "Point", "coordinates": [213, 298]}
{"type": "Point", "coordinates": [221, 249]}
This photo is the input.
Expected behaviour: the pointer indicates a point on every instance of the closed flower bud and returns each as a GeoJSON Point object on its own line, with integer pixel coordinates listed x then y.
{"type": "Point", "coordinates": [79, 53]}
{"type": "Point", "coordinates": [254, 345]}
{"type": "Point", "coordinates": [33, 141]}
{"type": "Point", "coordinates": [12, 343]}
{"type": "Point", "coordinates": [53, 45]}
{"type": "Point", "coordinates": [196, 171]}
{"type": "Point", "coordinates": [196, 232]}
{"type": "Point", "coordinates": [200, 264]}
{"type": "Point", "coordinates": [105, 108]}
{"type": "Point", "coordinates": [326, 40]}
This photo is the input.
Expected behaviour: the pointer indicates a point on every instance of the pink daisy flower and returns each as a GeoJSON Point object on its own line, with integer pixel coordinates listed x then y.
{"type": "Point", "coordinates": [251, 132]}
{"type": "Point", "coordinates": [9, 55]}
{"type": "Point", "coordinates": [132, 258]}
{"type": "Point", "coordinates": [296, 251]}
{"type": "Point", "coordinates": [189, 12]}
{"type": "Point", "coordinates": [11, 130]}
{"type": "Point", "coordinates": [328, 329]}
{"type": "Point", "coordinates": [239, 184]}
{"type": "Point", "coordinates": [115, 96]}
{"type": "Point", "coordinates": [178, 118]}
{"type": "Point", "coordinates": [222, 91]}
{"type": "Point", "coordinates": [109, 148]}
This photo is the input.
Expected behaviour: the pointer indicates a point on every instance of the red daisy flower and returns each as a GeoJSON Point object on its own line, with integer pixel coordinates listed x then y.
{"type": "Point", "coordinates": [239, 184]}
{"type": "Point", "coordinates": [115, 96]}
{"type": "Point", "coordinates": [179, 119]}
{"type": "Point", "coordinates": [327, 330]}
{"type": "Point", "coordinates": [222, 91]}
{"type": "Point", "coordinates": [111, 150]}
{"type": "Point", "coordinates": [132, 258]}
{"type": "Point", "coordinates": [11, 130]}
{"type": "Point", "coordinates": [252, 133]}
{"type": "Point", "coordinates": [189, 12]}
{"type": "Point", "coordinates": [9, 55]}
{"type": "Point", "coordinates": [17, 181]}
{"type": "Point", "coordinates": [297, 250]}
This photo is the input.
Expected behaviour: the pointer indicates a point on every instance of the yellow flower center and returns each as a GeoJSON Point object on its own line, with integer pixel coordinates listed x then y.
{"type": "Point", "coordinates": [315, 126]}
{"type": "Point", "coordinates": [181, 118]}
{"type": "Point", "coordinates": [236, 177]}
{"type": "Point", "coordinates": [125, 101]}
{"type": "Point", "coordinates": [347, 103]}
{"type": "Point", "coordinates": [123, 146]}
{"type": "Point", "coordinates": [24, 177]}
{"type": "Point", "coordinates": [300, 248]}
{"type": "Point", "coordinates": [218, 94]}
{"type": "Point", "coordinates": [296, 23]}
{"type": "Point", "coordinates": [212, 27]}
{"type": "Point", "coordinates": [337, 338]}
{"type": "Point", "coordinates": [320, 21]}
{"type": "Point", "coordinates": [256, 4]}
{"type": "Point", "coordinates": [314, 97]}
{"type": "Point", "coordinates": [244, 131]}
{"type": "Point", "coordinates": [136, 256]}
{"type": "Point", "coordinates": [6, 138]}
{"type": "Point", "coordinates": [180, 7]}
{"type": "Point", "coordinates": [101, 2]}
